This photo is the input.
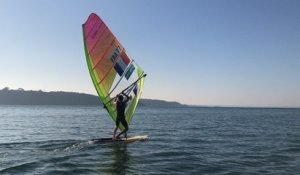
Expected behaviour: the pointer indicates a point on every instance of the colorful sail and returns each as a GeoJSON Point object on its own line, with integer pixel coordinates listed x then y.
{"type": "Point", "coordinates": [111, 69]}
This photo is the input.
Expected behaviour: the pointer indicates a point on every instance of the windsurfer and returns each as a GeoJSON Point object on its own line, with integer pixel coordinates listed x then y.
{"type": "Point", "coordinates": [121, 105]}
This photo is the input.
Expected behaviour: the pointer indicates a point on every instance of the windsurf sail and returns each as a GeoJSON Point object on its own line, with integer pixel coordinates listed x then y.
{"type": "Point", "coordinates": [111, 69]}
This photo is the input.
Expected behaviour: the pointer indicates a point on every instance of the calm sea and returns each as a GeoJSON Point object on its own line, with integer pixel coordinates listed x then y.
{"type": "Point", "coordinates": [54, 140]}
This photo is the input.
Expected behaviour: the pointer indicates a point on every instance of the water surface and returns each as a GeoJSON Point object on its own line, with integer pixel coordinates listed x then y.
{"type": "Point", "coordinates": [54, 140]}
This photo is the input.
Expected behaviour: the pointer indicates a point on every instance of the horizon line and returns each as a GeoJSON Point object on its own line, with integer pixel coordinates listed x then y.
{"type": "Point", "coordinates": [189, 105]}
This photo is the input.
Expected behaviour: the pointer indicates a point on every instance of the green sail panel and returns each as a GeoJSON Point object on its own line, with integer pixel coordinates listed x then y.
{"type": "Point", "coordinates": [112, 70]}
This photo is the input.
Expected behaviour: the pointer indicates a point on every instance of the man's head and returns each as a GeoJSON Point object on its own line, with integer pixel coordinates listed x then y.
{"type": "Point", "coordinates": [120, 97]}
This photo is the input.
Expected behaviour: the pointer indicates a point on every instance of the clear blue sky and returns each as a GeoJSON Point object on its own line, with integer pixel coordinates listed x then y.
{"type": "Point", "coordinates": [225, 52]}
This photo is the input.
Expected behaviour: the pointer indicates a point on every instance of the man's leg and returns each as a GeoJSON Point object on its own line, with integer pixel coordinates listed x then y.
{"type": "Point", "coordinates": [116, 128]}
{"type": "Point", "coordinates": [124, 123]}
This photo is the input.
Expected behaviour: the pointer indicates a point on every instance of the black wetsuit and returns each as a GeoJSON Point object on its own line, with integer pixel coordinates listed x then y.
{"type": "Point", "coordinates": [121, 114]}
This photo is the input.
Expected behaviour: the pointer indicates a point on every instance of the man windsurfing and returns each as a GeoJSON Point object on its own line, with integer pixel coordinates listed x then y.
{"type": "Point", "coordinates": [120, 106]}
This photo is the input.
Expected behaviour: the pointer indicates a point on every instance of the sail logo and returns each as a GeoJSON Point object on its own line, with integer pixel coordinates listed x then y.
{"type": "Point", "coordinates": [115, 54]}
{"type": "Point", "coordinates": [122, 64]}
{"type": "Point", "coordinates": [129, 71]}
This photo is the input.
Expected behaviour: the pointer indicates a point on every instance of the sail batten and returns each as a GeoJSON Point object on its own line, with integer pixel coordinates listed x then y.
{"type": "Point", "coordinates": [112, 70]}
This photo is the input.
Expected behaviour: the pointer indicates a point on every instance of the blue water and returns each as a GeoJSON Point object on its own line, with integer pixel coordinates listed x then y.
{"type": "Point", "coordinates": [54, 140]}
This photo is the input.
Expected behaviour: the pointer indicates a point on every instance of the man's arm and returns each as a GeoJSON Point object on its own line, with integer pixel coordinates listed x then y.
{"type": "Point", "coordinates": [116, 99]}
{"type": "Point", "coordinates": [127, 97]}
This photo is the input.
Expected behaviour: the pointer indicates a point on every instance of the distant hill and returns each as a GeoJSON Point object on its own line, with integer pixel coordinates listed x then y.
{"type": "Point", "coordinates": [23, 97]}
{"type": "Point", "coordinates": [159, 103]}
